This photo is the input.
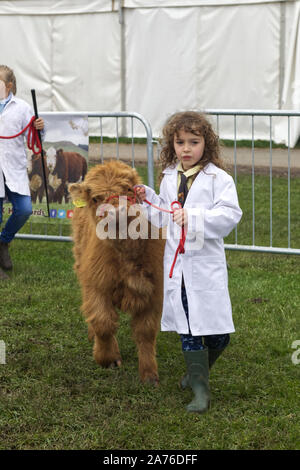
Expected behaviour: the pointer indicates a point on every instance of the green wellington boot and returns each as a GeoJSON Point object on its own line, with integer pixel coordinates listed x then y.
{"type": "Point", "coordinates": [213, 355]}
{"type": "Point", "coordinates": [198, 379]}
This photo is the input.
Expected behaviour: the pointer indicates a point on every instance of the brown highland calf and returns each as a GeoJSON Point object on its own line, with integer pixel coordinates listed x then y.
{"type": "Point", "coordinates": [125, 274]}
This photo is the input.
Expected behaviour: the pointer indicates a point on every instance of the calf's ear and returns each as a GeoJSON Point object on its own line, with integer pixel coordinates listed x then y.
{"type": "Point", "coordinates": [79, 193]}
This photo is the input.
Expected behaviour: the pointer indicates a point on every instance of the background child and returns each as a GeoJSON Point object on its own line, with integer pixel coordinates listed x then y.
{"type": "Point", "coordinates": [14, 116]}
{"type": "Point", "coordinates": [196, 298]}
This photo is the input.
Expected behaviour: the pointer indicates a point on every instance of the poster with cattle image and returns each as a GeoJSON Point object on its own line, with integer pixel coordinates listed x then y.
{"type": "Point", "coordinates": [65, 148]}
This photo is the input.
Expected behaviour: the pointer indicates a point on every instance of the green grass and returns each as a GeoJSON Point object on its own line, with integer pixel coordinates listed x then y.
{"type": "Point", "coordinates": [121, 140]}
{"type": "Point", "coordinates": [54, 396]}
{"type": "Point", "coordinates": [256, 143]}
{"type": "Point", "coordinates": [225, 142]}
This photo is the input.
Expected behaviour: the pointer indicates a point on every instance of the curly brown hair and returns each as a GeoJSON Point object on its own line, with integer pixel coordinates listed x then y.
{"type": "Point", "coordinates": [9, 77]}
{"type": "Point", "coordinates": [196, 123]}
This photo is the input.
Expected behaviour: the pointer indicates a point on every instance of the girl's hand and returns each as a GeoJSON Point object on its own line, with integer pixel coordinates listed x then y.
{"type": "Point", "coordinates": [39, 124]}
{"type": "Point", "coordinates": [180, 217]}
{"type": "Point", "coordinates": [140, 193]}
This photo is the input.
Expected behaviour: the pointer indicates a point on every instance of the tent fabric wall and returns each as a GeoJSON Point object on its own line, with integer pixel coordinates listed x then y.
{"type": "Point", "coordinates": [189, 3]}
{"type": "Point", "coordinates": [196, 54]}
{"type": "Point", "coordinates": [65, 58]}
{"type": "Point", "coordinates": [54, 7]}
{"type": "Point", "coordinates": [161, 67]}
{"type": "Point", "coordinates": [202, 58]}
{"type": "Point", "coordinates": [291, 87]}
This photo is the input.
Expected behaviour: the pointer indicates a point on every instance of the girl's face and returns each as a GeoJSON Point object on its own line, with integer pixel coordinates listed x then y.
{"type": "Point", "coordinates": [5, 88]}
{"type": "Point", "coordinates": [189, 148]}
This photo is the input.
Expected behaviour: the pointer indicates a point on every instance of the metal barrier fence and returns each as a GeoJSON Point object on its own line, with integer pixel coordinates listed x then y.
{"type": "Point", "coordinates": [271, 115]}
{"type": "Point", "coordinates": [218, 114]}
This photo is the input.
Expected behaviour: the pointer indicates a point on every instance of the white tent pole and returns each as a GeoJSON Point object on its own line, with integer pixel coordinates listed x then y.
{"type": "Point", "coordinates": [52, 64]}
{"type": "Point", "coordinates": [281, 51]}
{"type": "Point", "coordinates": [123, 64]}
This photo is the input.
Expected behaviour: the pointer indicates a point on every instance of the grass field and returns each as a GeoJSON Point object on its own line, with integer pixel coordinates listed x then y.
{"type": "Point", "coordinates": [54, 396]}
{"type": "Point", "coordinates": [225, 142]}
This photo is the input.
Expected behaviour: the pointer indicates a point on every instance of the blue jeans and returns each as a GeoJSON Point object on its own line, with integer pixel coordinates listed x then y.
{"type": "Point", "coordinates": [195, 343]}
{"type": "Point", "coordinates": [22, 209]}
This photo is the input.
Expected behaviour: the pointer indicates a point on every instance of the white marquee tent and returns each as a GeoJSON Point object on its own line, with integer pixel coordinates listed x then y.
{"type": "Point", "coordinates": [156, 57]}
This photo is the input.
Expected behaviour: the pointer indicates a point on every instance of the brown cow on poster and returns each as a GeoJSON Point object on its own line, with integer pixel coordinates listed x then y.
{"type": "Point", "coordinates": [64, 168]}
{"type": "Point", "coordinates": [36, 178]}
{"type": "Point", "coordinates": [117, 272]}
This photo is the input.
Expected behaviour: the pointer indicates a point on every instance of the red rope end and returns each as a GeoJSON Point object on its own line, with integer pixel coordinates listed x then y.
{"type": "Point", "coordinates": [33, 140]}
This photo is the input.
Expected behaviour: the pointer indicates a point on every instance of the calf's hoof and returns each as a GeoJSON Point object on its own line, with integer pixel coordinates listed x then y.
{"type": "Point", "coordinates": [115, 364]}
{"type": "Point", "coordinates": [150, 380]}
{"type": "Point", "coordinates": [111, 361]}
{"type": "Point", "coordinates": [109, 364]}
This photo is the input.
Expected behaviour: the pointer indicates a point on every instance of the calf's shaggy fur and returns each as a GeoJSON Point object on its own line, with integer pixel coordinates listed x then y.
{"type": "Point", "coordinates": [123, 274]}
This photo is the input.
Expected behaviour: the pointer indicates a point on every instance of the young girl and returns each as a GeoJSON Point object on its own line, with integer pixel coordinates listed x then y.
{"type": "Point", "coordinates": [196, 299]}
{"type": "Point", "coordinates": [14, 116]}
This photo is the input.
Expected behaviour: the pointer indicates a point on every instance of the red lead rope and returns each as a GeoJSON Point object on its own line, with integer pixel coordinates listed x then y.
{"type": "Point", "coordinates": [33, 141]}
{"type": "Point", "coordinates": [180, 248]}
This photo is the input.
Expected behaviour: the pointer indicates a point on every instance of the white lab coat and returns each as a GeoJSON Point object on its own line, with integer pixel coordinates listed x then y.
{"type": "Point", "coordinates": [13, 160]}
{"type": "Point", "coordinates": [213, 211]}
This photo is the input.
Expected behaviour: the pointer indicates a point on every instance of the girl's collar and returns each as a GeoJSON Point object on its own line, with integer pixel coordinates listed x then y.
{"type": "Point", "coordinates": [191, 171]}
{"type": "Point", "coordinates": [7, 99]}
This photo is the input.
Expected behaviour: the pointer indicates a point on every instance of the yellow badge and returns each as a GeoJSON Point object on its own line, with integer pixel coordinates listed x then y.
{"type": "Point", "coordinates": [79, 202]}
